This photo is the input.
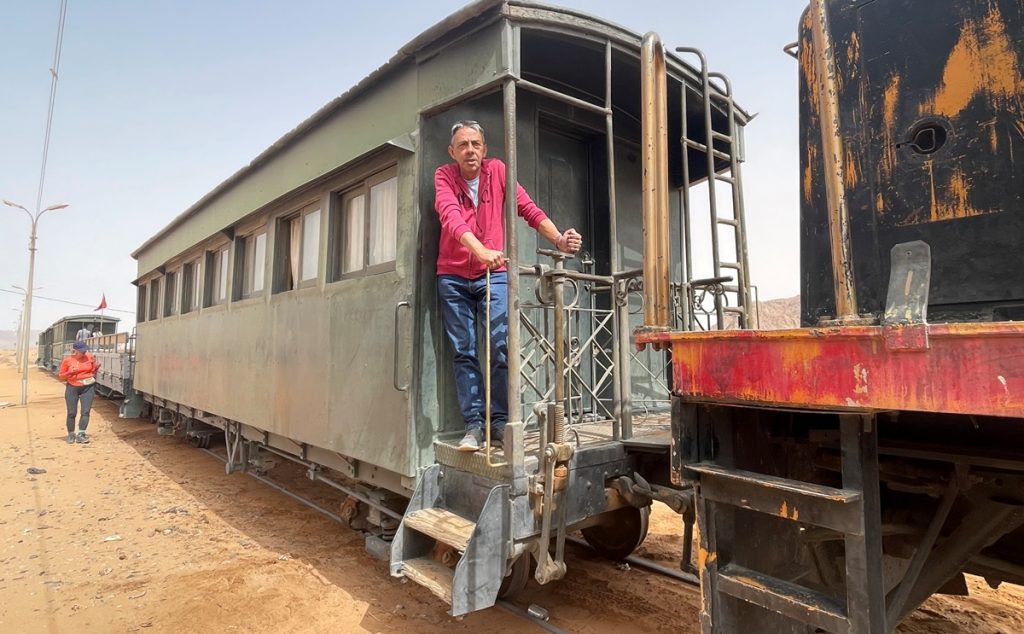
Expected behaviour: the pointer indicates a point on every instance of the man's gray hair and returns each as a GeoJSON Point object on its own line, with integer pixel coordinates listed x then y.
{"type": "Point", "coordinates": [472, 125]}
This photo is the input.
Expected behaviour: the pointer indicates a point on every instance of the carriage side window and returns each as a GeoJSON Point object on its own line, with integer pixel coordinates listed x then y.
{"type": "Point", "coordinates": [197, 284]}
{"type": "Point", "coordinates": [171, 294]}
{"type": "Point", "coordinates": [250, 259]}
{"type": "Point", "coordinates": [297, 256]}
{"type": "Point", "coordinates": [154, 299]}
{"type": "Point", "coordinates": [140, 306]}
{"type": "Point", "coordinates": [364, 228]}
{"type": "Point", "coordinates": [352, 224]}
{"type": "Point", "coordinates": [191, 287]}
{"type": "Point", "coordinates": [383, 222]}
{"type": "Point", "coordinates": [217, 276]}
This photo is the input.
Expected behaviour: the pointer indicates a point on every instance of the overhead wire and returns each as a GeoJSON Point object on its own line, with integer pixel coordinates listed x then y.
{"type": "Point", "coordinates": [64, 301]}
{"type": "Point", "coordinates": [54, 75]}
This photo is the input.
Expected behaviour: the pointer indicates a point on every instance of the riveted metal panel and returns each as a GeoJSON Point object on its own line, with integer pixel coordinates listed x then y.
{"type": "Point", "coordinates": [315, 365]}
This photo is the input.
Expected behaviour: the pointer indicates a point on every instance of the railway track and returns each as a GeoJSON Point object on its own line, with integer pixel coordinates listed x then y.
{"type": "Point", "coordinates": [509, 607]}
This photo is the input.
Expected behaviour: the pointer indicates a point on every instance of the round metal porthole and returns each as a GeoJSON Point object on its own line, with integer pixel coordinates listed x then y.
{"type": "Point", "coordinates": [927, 136]}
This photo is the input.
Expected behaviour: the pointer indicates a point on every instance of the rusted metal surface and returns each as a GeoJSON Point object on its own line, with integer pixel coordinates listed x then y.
{"type": "Point", "coordinates": [832, 154]}
{"type": "Point", "coordinates": [654, 97]}
{"type": "Point", "coordinates": [975, 368]}
{"type": "Point", "coordinates": [799, 603]}
{"type": "Point", "coordinates": [930, 120]}
{"type": "Point", "coordinates": [837, 509]}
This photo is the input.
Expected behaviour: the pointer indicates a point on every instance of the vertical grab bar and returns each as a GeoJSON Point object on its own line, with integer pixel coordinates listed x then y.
{"type": "Point", "coordinates": [487, 378]}
{"type": "Point", "coordinates": [394, 371]}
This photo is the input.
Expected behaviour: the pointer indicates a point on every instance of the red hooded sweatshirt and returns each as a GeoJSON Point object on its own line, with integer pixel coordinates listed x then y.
{"type": "Point", "coordinates": [454, 205]}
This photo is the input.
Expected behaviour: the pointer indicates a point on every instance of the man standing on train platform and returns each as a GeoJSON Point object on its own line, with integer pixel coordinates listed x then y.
{"type": "Point", "coordinates": [84, 333]}
{"type": "Point", "coordinates": [469, 196]}
{"type": "Point", "coordinates": [79, 371]}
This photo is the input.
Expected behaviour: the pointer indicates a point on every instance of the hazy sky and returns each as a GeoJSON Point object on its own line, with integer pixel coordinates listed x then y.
{"type": "Point", "coordinates": [159, 101]}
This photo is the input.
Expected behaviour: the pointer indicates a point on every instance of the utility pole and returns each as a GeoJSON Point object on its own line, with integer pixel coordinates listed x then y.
{"type": "Point", "coordinates": [27, 317]}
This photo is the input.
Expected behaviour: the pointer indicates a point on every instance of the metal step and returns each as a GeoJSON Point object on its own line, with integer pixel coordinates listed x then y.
{"type": "Point", "coordinates": [718, 154]}
{"type": "Point", "coordinates": [474, 462]}
{"type": "Point", "coordinates": [792, 600]}
{"type": "Point", "coordinates": [838, 509]}
{"type": "Point", "coordinates": [474, 582]}
{"type": "Point", "coordinates": [431, 574]}
{"type": "Point", "coordinates": [442, 525]}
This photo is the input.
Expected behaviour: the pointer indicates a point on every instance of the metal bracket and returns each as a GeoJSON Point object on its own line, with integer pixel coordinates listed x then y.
{"type": "Point", "coordinates": [904, 323]}
{"type": "Point", "coordinates": [237, 448]}
{"type": "Point", "coordinates": [639, 493]}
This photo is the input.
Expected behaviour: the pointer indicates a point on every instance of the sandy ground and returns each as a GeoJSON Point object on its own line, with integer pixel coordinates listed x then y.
{"type": "Point", "coordinates": [135, 532]}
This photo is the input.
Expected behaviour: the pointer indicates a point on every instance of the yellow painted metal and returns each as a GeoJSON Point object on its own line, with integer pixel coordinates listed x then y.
{"type": "Point", "coordinates": [654, 133]}
{"type": "Point", "coordinates": [832, 150]}
{"type": "Point", "coordinates": [487, 379]}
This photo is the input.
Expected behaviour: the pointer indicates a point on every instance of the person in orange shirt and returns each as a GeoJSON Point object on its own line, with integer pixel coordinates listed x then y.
{"type": "Point", "coordinates": [79, 371]}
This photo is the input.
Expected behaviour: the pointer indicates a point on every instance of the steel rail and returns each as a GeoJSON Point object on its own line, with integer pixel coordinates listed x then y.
{"type": "Point", "coordinates": [640, 562]}
{"type": "Point", "coordinates": [316, 477]}
{"type": "Point", "coordinates": [311, 504]}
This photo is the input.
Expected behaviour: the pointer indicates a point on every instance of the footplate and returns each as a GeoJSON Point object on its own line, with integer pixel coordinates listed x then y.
{"type": "Point", "coordinates": [474, 462]}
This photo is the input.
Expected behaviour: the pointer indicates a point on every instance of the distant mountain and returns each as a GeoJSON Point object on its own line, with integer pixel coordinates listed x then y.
{"type": "Point", "coordinates": [779, 314]}
{"type": "Point", "coordinates": [9, 339]}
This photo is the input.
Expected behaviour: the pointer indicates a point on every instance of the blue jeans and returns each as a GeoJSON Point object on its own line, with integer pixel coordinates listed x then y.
{"type": "Point", "coordinates": [463, 303]}
{"type": "Point", "coordinates": [72, 395]}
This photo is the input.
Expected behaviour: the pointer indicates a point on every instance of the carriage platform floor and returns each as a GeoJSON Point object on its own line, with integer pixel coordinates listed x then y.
{"type": "Point", "coordinates": [651, 434]}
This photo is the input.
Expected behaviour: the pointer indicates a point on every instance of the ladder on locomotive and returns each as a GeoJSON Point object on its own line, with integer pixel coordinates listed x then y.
{"type": "Point", "coordinates": [716, 146]}
{"type": "Point", "coordinates": [851, 512]}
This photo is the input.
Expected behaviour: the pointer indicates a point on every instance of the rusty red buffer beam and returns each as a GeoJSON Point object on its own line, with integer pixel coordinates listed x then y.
{"type": "Point", "coordinates": [963, 368]}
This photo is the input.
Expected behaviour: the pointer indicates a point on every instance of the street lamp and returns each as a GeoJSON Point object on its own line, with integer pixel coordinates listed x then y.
{"type": "Point", "coordinates": [26, 328]}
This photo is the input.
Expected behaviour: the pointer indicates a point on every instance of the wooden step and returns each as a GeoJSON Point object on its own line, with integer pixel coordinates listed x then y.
{"type": "Point", "coordinates": [786, 598]}
{"type": "Point", "coordinates": [838, 509]}
{"type": "Point", "coordinates": [442, 525]}
{"type": "Point", "coordinates": [432, 575]}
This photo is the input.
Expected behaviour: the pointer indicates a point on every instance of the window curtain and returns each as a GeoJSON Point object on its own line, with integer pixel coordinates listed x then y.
{"type": "Point", "coordinates": [259, 258]}
{"type": "Point", "coordinates": [222, 291]}
{"type": "Point", "coordinates": [294, 249]}
{"type": "Point", "coordinates": [352, 260]}
{"type": "Point", "coordinates": [383, 221]}
{"type": "Point", "coordinates": [310, 244]}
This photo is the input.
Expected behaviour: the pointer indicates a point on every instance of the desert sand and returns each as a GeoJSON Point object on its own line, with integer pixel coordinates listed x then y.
{"type": "Point", "coordinates": [140, 533]}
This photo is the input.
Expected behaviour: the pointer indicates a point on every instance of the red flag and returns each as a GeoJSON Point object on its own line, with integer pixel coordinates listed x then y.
{"type": "Point", "coordinates": [103, 302]}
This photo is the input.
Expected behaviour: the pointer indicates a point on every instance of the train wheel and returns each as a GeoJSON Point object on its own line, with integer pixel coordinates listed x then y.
{"type": "Point", "coordinates": [516, 580]}
{"type": "Point", "coordinates": [195, 441]}
{"type": "Point", "coordinates": [619, 536]}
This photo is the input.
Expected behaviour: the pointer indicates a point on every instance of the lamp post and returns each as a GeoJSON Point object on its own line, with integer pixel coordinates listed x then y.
{"type": "Point", "coordinates": [22, 337]}
{"type": "Point", "coordinates": [17, 345]}
{"type": "Point", "coordinates": [26, 327]}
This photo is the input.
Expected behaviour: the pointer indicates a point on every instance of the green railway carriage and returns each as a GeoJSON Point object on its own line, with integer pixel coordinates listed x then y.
{"type": "Point", "coordinates": [55, 342]}
{"type": "Point", "coordinates": [294, 308]}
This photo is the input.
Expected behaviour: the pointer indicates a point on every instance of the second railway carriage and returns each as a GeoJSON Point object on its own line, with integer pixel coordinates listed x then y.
{"type": "Point", "coordinates": [294, 309]}
{"type": "Point", "coordinates": [55, 342]}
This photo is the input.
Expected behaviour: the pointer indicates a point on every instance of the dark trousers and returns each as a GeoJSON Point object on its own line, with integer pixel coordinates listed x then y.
{"type": "Point", "coordinates": [72, 396]}
{"type": "Point", "coordinates": [463, 303]}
